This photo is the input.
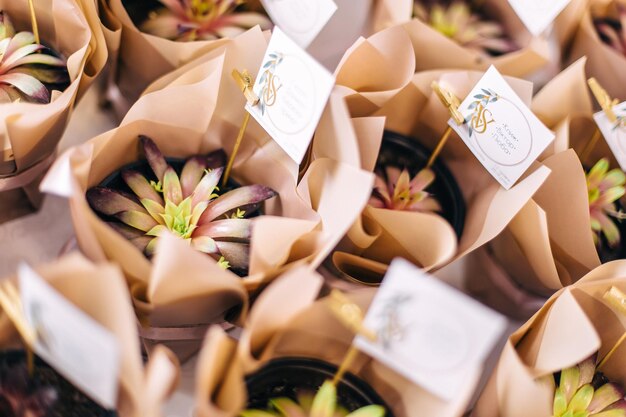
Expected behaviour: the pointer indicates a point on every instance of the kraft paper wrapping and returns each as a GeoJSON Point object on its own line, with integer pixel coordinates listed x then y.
{"type": "Point", "coordinates": [574, 324]}
{"type": "Point", "coordinates": [199, 110]}
{"type": "Point", "coordinates": [436, 51]}
{"type": "Point", "coordinates": [410, 107]}
{"type": "Point", "coordinates": [100, 291]}
{"type": "Point", "coordinates": [141, 58]}
{"type": "Point", "coordinates": [603, 62]}
{"type": "Point", "coordinates": [32, 131]}
{"type": "Point", "coordinates": [549, 243]}
{"type": "Point", "coordinates": [285, 322]}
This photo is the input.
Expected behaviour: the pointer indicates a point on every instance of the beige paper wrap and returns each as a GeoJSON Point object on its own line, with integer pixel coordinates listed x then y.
{"type": "Point", "coordinates": [391, 89]}
{"type": "Point", "coordinates": [142, 58]}
{"type": "Point", "coordinates": [436, 51]}
{"type": "Point", "coordinates": [30, 132]}
{"type": "Point", "coordinates": [99, 290]}
{"type": "Point", "coordinates": [603, 62]}
{"type": "Point", "coordinates": [549, 243]}
{"type": "Point", "coordinates": [574, 324]}
{"type": "Point", "coordinates": [195, 110]}
{"type": "Point", "coordinates": [285, 322]}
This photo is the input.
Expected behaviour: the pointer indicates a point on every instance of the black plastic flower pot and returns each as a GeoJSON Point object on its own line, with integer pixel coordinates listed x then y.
{"type": "Point", "coordinates": [45, 393]}
{"type": "Point", "coordinates": [288, 377]}
{"type": "Point", "coordinates": [405, 152]}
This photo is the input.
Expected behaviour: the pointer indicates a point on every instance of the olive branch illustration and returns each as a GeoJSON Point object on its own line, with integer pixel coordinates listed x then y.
{"type": "Point", "coordinates": [392, 329]}
{"type": "Point", "coordinates": [269, 68]}
{"type": "Point", "coordinates": [488, 96]}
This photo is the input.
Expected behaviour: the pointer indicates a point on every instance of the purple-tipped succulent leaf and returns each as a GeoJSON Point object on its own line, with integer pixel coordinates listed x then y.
{"type": "Point", "coordinates": [238, 197]}
{"type": "Point", "coordinates": [604, 396]}
{"type": "Point", "coordinates": [232, 229]}
{"type": "Point", "coordinates": [237, 254]}
{"type": "Point", "coordinates": [172, 190]}
{"type": "Point", "coordinates": [216, 159]}
{"type": "Point", "coordinates": [155, 158]}
{"type": "Point", "coordinates": [137, 219]}
{"type": "Point", "coordinates": [192, 173]}
{"type": "Point", "coordinates": [204, 190]}
{"type": "Point", "coordinates": [110, 202]}
{"type": "Point", "coordinates": [140, 186]}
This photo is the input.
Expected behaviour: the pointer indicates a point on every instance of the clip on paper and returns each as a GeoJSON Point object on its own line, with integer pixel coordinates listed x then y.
{"type": "Point", "coordinates": [452, 103]}
{"type": "Point", "coordinates": [606, 103]}
{"type": "Point", "coordinates": [617, 299]}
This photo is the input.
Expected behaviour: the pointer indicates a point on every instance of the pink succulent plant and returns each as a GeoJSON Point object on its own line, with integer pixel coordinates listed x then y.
{"type": "Point", "coordinates": [28, 70]}
{"type": "Point", "coordinates": [457, 21]}
{"type": "Point", "coordinates": [190, 20]}
{"type": "Point", "coordinates": [605, 188]}
{"type": "Point", "coordinates": [188, 207]}
{"type": "Point", "coordinates": [395, 190]}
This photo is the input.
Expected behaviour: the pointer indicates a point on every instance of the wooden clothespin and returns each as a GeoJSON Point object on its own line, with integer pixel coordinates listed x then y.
{"type": "Point", "coordinates": [452, 103]}
{"type": "Point", "coordinates": [351, 316]}
{"type": "Point", "coordinates": [606, 103]}
{"type": "Point", "coordinates": [245, 82]}
{"type": "Point", "coordinates": [12, 305]}
{"type": "Point", "coordinates": [617, 299]}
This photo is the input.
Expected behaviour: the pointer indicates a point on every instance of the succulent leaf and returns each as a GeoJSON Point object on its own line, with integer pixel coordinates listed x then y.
{"type": "Point", "coordinates": [110, 202]}
{"type": "Point", "coordinates": [154, 157]}
{"type": "Point", "coordinates": [250, 194]}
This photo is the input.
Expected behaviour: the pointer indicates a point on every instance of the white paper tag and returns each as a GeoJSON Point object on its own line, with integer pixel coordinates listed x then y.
{"type": "Point", "coordinates": [537, 15]}
{"type": "Point", "coordinates": [614, 132]}
{"type": "Point", "coordinates": [293, 89]}
{"type": "Point", "coordinates": [429, 332]}
{"type": "Point", "coordinates": [301, 20]}
{"type": "Point", "coordinates": [500, 130]}
{"type": "Point", "coordinates": [70, 341]}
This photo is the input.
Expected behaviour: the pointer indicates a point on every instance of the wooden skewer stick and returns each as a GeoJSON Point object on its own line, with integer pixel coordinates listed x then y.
{"type": "Point", "coordinates": [245, 82]}
{"type": "Point", "coordinates": [12, 306]}
{"type": "Point", "coordinates": [617, 299]}
{"type": "Point", "coordinates": [452, 103]}
{"type": "Point", "coordinates": [352, 317]}
{"type": "Point", "coordinates": [33, 20]}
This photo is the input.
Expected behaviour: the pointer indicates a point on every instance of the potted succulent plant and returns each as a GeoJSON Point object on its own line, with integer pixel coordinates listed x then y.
{"type": "Point", "coordinates": [30, 71]}
{"type": "Point", "coordinates": [46, 67]}
{"type": "Point", "coordinates": [291, 387]}
{"type": "Point", "coordinates": [44, 393]}
{"type": "Point", "coordinates": [584, 391]}
{"type": "Point", "coordinates": [404, 183]}
{"type": "Point", "coordinates": [466, 23]}
{"type": "Point", "coordinates": [189, 204]}
{"type": "Point", "coordinates": [191, 20]}
{"type": "Point", "coordinates": [168, 34]}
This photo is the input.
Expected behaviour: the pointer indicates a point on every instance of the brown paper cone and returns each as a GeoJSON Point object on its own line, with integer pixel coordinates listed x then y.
{"type": "Point", "coordinates": [302, 328]}
{"type": "Point", "coordinates": [574, 324]}
{"type": "Point", "coordinates": [603, 62]}
{"type": "Point", "coordinates": [31, 132]}
{"type": "Point", "coordinates": [192, 111]}
{"type": "Point", "coordinates": [142, 58]}
{"type": "Point", "coordinates": [100, 291]}
{"type": "Point", "coordinates": [410, 107]}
